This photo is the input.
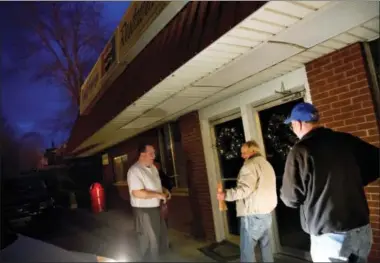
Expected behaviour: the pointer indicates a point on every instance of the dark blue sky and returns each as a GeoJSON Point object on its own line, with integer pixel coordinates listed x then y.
{"type": "Point", "coordinates": [27, 104]}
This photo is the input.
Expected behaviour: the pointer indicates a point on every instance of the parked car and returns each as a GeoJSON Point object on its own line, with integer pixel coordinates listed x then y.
{"type": "Point", "coordinates": [25, 197]}
{"type": "Point", "coordinates": [65, 186]}
{"type": "Point", "coordinates": [20, 248]}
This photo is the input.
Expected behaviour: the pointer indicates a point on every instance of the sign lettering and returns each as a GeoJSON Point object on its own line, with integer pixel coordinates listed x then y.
{"type": "Point", "coordinates": [140, 16]}
{"type": "Point", "coordinates": [90, 87]}
{"type": "Point", "coordinates": [109, 55]}
{"type": "Point", "coordinates": [127, 29]}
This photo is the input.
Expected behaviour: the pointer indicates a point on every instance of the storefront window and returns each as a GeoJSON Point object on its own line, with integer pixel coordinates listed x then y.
{"type": "Point", "coordinates": [120, 168]}
{"type": "Point", "coordinates": [172, 155]}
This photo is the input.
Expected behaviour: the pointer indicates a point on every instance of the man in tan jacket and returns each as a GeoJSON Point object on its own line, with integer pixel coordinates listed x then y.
{"type": "Point", "coordinates": [256, 197]}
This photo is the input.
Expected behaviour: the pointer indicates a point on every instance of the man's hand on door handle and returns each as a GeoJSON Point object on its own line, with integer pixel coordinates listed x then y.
{"type": "Point", "coordinates": [221, 196]}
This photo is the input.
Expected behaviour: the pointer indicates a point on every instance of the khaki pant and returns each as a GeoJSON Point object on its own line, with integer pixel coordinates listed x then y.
{"type": "Point", "coordinates": [151, 232]}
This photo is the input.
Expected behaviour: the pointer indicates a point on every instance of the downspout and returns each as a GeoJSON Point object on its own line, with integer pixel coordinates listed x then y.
{"type": "Point", "coordinates": [372, 79]}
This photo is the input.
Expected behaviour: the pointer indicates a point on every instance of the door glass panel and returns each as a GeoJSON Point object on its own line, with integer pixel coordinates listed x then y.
{"type": "Point", "coordinates": [278, 140]}
{"type": "Point", "coordinates": [229, 138]}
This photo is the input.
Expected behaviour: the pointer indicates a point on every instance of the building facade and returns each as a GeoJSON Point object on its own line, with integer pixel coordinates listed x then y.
{"type": "Point", "coordinates": [214, 74]}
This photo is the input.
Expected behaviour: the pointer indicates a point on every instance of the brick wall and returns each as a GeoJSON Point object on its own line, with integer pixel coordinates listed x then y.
{"type": "Point", "coordinates": [203, 223]}
{"type": "Point", "coordinates": [339, 89]}
{"type": "Point", "coordinates": [181, 216]}
{"type": "Point", "coordinates": [108, 176]}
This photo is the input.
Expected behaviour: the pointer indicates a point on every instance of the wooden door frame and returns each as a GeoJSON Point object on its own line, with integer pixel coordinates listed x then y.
{"type": "Point", "coordinates": [218, 176]}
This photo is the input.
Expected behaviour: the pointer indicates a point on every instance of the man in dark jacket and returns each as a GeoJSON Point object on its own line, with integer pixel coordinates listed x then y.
{"type": "Point", "coordinates": [325, 173]}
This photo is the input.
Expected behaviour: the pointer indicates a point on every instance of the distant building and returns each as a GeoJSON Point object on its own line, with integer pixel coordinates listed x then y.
{"type": "Point", "coordinates": [55, 155]}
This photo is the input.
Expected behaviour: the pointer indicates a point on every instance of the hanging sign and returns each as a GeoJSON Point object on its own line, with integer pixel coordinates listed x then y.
{"type": "Point", "coordinates": [140, 24]}
{"type": "Point", "coordinates": [140, 16]}
{"type": "Point", "coordinates": [90, 87]}
{"type": "Point", "coordinates": [108, 56]}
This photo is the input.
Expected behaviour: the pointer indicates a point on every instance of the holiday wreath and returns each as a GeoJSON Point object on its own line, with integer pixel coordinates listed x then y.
{"type": "Point", "coordinates": [229, 142]}
{"type": "Point", "coordinates": [280, 135]}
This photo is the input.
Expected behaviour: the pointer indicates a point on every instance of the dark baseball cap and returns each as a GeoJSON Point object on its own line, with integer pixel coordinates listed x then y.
{"type": "Point", "coordinates": [303, 112]}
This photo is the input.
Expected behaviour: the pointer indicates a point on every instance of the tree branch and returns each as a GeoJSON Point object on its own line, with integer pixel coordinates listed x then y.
{"type": "Point", "coordinates": [64, 40]}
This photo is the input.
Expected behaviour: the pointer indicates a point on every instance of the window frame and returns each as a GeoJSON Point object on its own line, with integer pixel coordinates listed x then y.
{"type": "Point", "coordinates": [169, 156]}
{"type": "Point", "coordinates": [123, 160]}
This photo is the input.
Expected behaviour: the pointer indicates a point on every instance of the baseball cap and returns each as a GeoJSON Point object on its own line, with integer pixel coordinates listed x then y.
{"type": "Point", "coordinates": [303, 112]}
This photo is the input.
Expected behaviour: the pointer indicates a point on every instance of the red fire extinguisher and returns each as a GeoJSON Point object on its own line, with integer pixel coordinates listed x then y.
{"type": "Point", "coordinates": [97, 197]}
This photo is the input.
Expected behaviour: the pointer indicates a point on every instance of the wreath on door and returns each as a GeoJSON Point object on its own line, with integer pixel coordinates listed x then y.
{"type": "Point", "coordinates": [281, 136]}
{"type": "Point", "coordinates": [229, 142]}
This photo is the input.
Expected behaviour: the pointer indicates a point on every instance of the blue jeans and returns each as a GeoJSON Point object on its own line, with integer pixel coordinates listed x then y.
{"type": "Point", "coordinates": [350, 246]}
{"type": "Point", "coordinates": [254, 229]}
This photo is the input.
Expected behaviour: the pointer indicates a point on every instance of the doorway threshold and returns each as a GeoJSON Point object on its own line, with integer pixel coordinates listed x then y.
{"type": "Point", "coordinates": [234, 239]}
{"type": "Point", "coordinates": [278, 257]}
{"type": "Point", "coordinates": [284, 258]}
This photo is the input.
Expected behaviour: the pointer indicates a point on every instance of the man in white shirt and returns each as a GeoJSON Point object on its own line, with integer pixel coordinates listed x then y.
{"type": "Point", "coordinates": [146, 194]}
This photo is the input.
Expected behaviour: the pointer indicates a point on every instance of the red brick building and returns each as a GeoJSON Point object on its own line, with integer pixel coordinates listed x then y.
{"type": "Point", "coordinates": [189, 75]}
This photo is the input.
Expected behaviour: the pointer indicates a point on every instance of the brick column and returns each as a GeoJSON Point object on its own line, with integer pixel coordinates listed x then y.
{"type": "Point", "coordinates": [339, 89]}
{"type": "Point", "coordinates": [197, 174]}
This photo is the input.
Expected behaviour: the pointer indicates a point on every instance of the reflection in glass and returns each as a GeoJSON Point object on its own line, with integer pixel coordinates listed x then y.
{"type": "Point", "coordinates": [229, 138]}
{"type": "Point", "coordinates": [278, 140]}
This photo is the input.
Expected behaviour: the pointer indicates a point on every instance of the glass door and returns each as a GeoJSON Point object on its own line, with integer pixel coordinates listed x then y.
{"type": "Point", "coordinates": [278, 140]}
{"type": "Point", "coordinates": [229, 137]}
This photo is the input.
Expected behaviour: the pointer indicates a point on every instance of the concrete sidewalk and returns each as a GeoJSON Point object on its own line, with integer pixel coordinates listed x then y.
{"type": "Point", "coordinates": [111, 234]}
{"type": "Point", "coordinates": [183, 247]}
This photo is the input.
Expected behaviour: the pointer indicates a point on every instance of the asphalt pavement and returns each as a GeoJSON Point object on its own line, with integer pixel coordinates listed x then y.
{"type": "Point", "coordinates": [109, 234]}
{"type": "Point", "coordinates": [80, 230]}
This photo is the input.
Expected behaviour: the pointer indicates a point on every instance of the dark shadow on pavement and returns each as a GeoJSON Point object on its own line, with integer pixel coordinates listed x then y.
{"type": "Point", "coordinates": [80, 230]}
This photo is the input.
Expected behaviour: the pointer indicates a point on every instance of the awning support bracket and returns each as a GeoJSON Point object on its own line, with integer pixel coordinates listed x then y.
{"type": "Point", "coordinates": [283, 91]}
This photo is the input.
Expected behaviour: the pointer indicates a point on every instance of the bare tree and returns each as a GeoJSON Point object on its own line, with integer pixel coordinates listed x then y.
{"type": "Point", "coordinates": [60, 41]}
{"type": "Point", "coordinates": [61, 122]}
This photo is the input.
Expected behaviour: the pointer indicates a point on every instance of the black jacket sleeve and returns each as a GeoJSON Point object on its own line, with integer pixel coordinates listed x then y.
{"type": "Point", "coordinates": [293, 190]}
{"type": "Point", "coordinates": [368, 158]}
